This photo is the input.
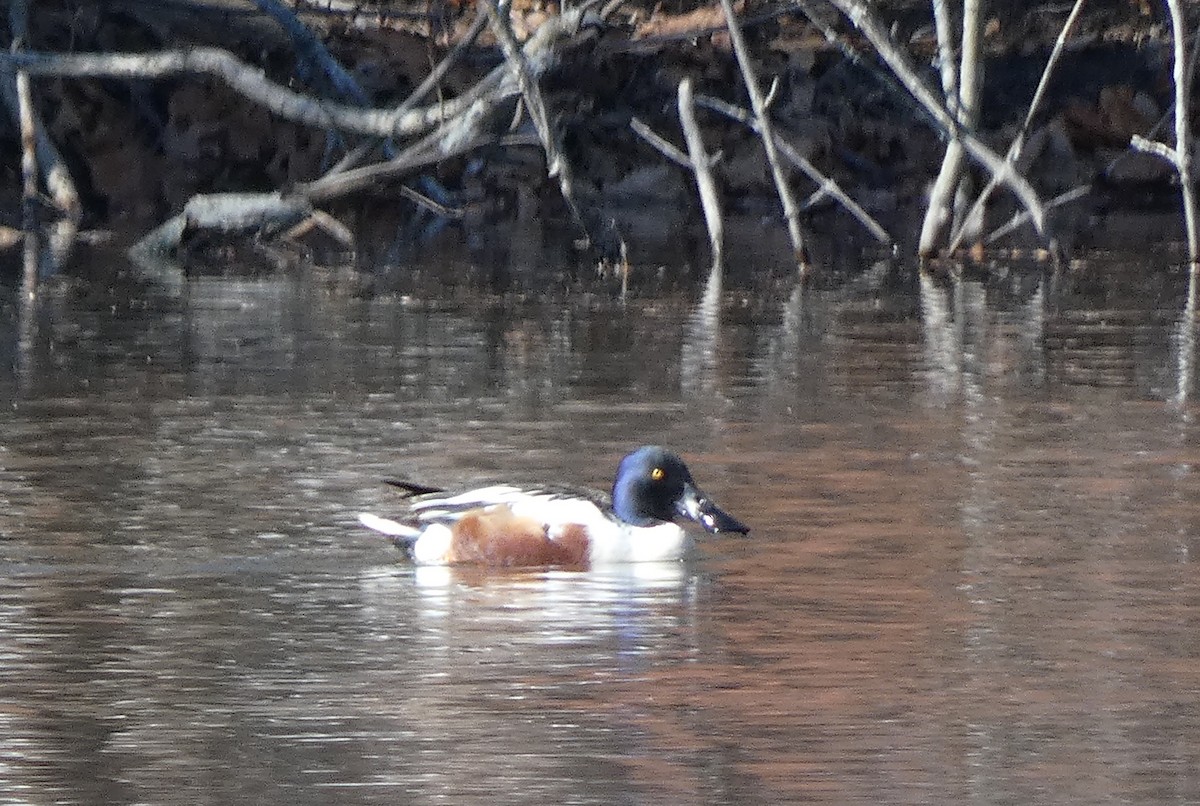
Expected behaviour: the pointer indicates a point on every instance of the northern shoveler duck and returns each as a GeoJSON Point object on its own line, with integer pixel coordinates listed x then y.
{"type": "Point", "coordinates": [505, 525]}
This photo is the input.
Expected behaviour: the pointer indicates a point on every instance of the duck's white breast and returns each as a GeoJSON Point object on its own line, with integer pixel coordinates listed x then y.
{"type": "Point", "coordinates": [622, 543]}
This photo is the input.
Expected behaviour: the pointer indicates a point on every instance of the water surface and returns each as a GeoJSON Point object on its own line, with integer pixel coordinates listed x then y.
{"type": "Point", "coordinates": [974, 510]}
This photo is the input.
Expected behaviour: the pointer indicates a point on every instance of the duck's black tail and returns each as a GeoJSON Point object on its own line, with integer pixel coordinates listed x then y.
{"type": "Point", "coordinates": [411, 488]}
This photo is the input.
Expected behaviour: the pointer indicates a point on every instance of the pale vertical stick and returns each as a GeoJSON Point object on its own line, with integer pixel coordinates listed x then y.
{"type": "Point", "coordinates": [1183, 134]}
{"type": "Point", "coordinates": [18, 96]}
{"type": "Point", "coordinates": [964, 105]}
{"type": "Point", "coordinates": [702, 167]}
{"type": "Point", "coordinates": [938, 211]}
{"type": "Point", "coordinates": [29, 186]}
{"type": "Point", "coordinates": [970, 79]}
{"type": "Point", "coordinates": [947, 56]}
{"type": "Point", "coordinates": [758, 103]}
{"type": "Point", "coordinates": [1185, 343]}
{"type": "Point", "coordinates": [41, 164]}
{"type": "Point", "coordinates": [29, 165]}
{"type": "Point", "coordinates": [825, 185]}
{"type": "Point", "coordinates": [18, 25]}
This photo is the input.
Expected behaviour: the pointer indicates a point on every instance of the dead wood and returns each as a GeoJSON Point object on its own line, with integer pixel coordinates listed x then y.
{"type": "Point", "coordinates": [706, 186]}
{"type": "Point", "coordinates": [825, 185]}
{"type": "Point", "coordinates": [250, 82]}
{"type": "Point", "coordinates": [760, 104]}
{"type": "Point", "coordinates": [449, 128]}
{"type": "Point", "coordinates": [524, 95]}
{"type": "Point", "coordinates": [860, 15]}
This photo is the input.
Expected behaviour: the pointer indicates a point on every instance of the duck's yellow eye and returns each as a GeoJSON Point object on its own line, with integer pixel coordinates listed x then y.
{"type": "Point", "coordinates": [658, 474]}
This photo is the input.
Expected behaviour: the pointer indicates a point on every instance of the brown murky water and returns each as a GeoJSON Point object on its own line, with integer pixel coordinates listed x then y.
{"type": "Point", "coordinates": [970, 578]}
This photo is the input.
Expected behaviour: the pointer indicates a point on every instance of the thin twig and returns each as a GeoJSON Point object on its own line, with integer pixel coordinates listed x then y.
{"type": "Point", "coordinates": [1019, 218]}
{"type": "Point", "coordinates": [429, 150]}
{"type": "Point", "coordinates": [659, 143]}
{"type": "Point", "coordinates": [421, 200]}
{"type": "Point", "coordinates": [357, 154]}
{"type": "Point", "coordinates": [323, 221]}
{"type": "Point", "coordinates": [1154, 148]}
{"type": "Point", "coordinates": [443, 67]}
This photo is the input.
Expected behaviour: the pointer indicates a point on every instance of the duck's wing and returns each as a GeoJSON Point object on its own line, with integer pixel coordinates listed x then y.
{"type": "Point", "coordinates": [547, 503]}
{"type": "Point", "coordinates": [554, 506]}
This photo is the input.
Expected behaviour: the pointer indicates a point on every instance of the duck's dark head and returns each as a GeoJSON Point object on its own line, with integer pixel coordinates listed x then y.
{"type": "Point", "coordinates": [654, 485]}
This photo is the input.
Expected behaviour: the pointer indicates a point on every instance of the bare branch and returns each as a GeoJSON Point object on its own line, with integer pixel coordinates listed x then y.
{"type": "Point", "coordinates": [1183, 135]}
{"type": "Point", "coordinates": [659, 143]}
{"type": "Point", "coordinates": [1017, 147]}
{"type": "Point", "coordinates": [964, 106]}
{"type": "Point", "coordinates": [250, 82]}
{"type": "Point", "coordinates": [443, 67]}
{"type": "Point", "coordinates": [1020, 218]}
{"type": "Point", "coordinates": [758, 103]}
{"type": "Point", "coordinates": [827, 186]}
{"type": "Point", "coordinates": [858, 12]}
{"type": "Point", "coordinates": [705, 185]}
{"type": "Point", "coordinates": [38, 153]}
{"type": "Point", "coordinates": [557, 165]}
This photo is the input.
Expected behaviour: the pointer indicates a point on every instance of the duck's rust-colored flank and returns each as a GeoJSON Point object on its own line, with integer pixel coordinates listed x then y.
{"type": "Point", "coordinates": [497, 537]}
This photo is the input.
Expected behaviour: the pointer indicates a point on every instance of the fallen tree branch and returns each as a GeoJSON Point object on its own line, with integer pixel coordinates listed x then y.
{"type": "Point", "coordinates": [540, 54]}
{"type": "Point", "coordinates": [427, 151]}
{"type": "Point", "coordinates": [449, 128]}
{"type": "Point", "coordinates": [225, 212]}
{"type": "Point", "coordinates": [248, 81]}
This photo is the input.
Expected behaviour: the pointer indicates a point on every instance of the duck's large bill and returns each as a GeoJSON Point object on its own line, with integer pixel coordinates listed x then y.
{"type": "Point", "coordinates": [696, 506]}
